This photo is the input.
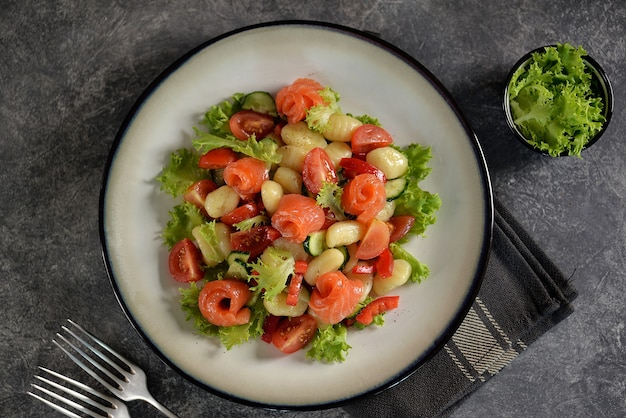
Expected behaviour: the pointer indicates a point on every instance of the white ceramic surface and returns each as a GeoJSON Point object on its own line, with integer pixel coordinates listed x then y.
{"type": "Point", "coordinates": [373, 78]}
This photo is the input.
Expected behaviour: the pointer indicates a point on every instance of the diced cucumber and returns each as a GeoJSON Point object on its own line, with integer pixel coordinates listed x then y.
{"type": "Point", "coordinates": [237, 255]}
{"type": "Point", "coordinates": [260, 101]}
{"type": "Point", "coordinates": [395, 187]}
{"type": "Point", "coordinates": [315, 243]}
{"type": "Point", "coordinates": [238, 270]}
{"type": "Point", "coordinates": [238, 265]}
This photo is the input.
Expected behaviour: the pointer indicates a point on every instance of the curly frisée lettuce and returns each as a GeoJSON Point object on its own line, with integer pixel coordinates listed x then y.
{"type": "Point", "coordinates": [553, 101]}
{"type": "Point", "coordinates": [415, 201]}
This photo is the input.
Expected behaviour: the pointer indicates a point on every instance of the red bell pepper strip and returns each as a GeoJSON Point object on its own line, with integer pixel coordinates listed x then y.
{"type": "Point", "coordinates": [376, 307]}
{"type": "Point", "coordinates": [295, 284]}
{"type": "Point", "coordinates": [384, 264]}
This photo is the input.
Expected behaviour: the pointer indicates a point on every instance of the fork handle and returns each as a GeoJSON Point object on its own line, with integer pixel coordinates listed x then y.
{"type": "Point", "coordinates": [160, 407]}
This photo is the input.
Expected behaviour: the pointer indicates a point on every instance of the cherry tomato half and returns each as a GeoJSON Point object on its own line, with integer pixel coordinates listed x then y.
{"type": "Point", "coordinates": [247, 122]}
{"type": "Point", "coordinates": [368, 137]}
{"type": "Point", "coordinates": [184, 262]}
{"type": "Point", "coordinates": [317, 169]}
{"type": "Point", "coordinates": [354, 166]}
{"type": "Point", "coordinates": [292, 334]}
{"type": "Point", "coordinates": [400, 225]}
{"type": "Point", "coordinates": [217, 158]}
{"type": "Point", "coordinates": [254, 240]}
{"type": "Point", "coordinates": [241, 213]}
{"type": "Point", "coordinates": [197, 192]}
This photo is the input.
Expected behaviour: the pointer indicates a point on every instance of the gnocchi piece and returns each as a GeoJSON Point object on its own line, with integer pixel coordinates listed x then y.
{"type": "Point", "coordinates": [401, 273]}
{"type": "Point", "coordinates": [340, 127]}
{"type": "Point", "coordinates": [221, 201]}
{"type": "Point", "coordinates": [212, 255]}
{"type": "Point", "coordinates": [389, 160]}
{"type": "Point", "coordinates": [336, 151]}
{"type": "Point", "coordinates": [278, 305]}
{"type": "Point", "coordinates": [289, 179]}
{"type": "Point", "coordinates": [292, 157]}
{"type": "Point", "coordinates": [271, 193]}
{"type": "Point", "coordinates": [295, 248]}
{"type": "Point", "coordinates": [386, 212]}
{"type": "Point", "coordinates": [299, 135]}
{"type": "Point", "coordinates": [329, 260]}
{"type": "Point", "coordinates": [344, 233]}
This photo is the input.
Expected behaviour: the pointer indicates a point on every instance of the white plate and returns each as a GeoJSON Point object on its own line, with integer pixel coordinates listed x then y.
{"type": "Point", "coordinates": [373, 78]}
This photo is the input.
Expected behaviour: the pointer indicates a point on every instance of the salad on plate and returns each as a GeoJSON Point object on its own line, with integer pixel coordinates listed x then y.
{"type": "Point", "coordinates": [291, 220]}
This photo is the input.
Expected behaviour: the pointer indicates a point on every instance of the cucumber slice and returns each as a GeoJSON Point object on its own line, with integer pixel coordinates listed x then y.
{"type": "Point", "coordinates": [237, 255]}
{"type": "Point", "coordinates": [260, 101]}
{"type": "Point", "coordinates": [238, 265]}
{"type": "Point", "coordinates": [395, 187]}
{"type": "Point", "coordinates": [315, 243]}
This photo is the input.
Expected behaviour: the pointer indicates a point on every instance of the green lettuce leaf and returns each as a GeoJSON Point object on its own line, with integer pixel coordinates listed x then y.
{"type": "Point", "coordinates": [183, 219]}
{"type": "Point", "coordinates": [216, 119]}
{"type": "Point", "coordinates": [181, 172]}
{"type": "Point", "coordinates": [271, 271]}
{"type": "Point", "coordinates": [330, 344]}
{"type": "Point", "coordinates": [317, 116]}
{"type": "Point", "coordinates": [554, 102]}
{"type": "Point", "coordinates": [415, 201]}
{"type": "Point", "coordinates": [419, 270]}
{"type": "Point", "coordinates": [329, 197]}
{"type": "Point", "coordinates": [264, 150]}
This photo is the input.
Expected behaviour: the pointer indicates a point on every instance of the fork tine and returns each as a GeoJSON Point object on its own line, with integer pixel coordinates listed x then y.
{"type": "Point", "coordinates": [109, 400]}
{"type": "Point", "coordinates": [86, 368]}
{"type": "Point", "coordinates": [62, 410]}
{"type": "Point", "coordinates": [105, 405]}
{"type": "Point", "coordinates": [130, 365]}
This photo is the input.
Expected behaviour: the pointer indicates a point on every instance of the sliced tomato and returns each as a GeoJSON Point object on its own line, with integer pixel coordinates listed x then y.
{"type": "Point", "coordinates": [368, 137]}
{"type": "Point", "coordinates": [245, 123]}
{"type": "Point", "coordinates": [292, 334]}
{"type": "Point", "coordinates": [355, 166]}
{"type": "Point", "coordinates": [384, 264]}
{"type": "Point", "coordinates": [184, 262]}
{"type": "Point", "coordinates": [375, 240]}
{"type": "Point", "coordinates": [197, 192]}
{"type": "Point", "coordinates": [254, 240]}
{"type": "Point", "coordinates": [317, 169]}
{"type": "Point", "coordinates": [269, 326]}
{"type": "Point", "coordinates": [400, 226]}
{"type": "Point", "coordinates": [217, 158]}
{"type": "Point", "coordinates": [241, 213]}
{"type": "Point", "coordinates": [376, 307]}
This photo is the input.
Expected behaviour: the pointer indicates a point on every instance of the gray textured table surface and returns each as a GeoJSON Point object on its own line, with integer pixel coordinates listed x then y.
{"type": "Point", "coordinates": [71, 70]}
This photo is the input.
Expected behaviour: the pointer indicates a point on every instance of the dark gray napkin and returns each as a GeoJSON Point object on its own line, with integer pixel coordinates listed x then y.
{"type": "Point", "coordinates": [522, 296]}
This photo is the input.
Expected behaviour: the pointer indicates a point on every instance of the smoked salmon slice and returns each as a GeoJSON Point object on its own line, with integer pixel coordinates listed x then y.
{"type": "Point", "coordinates": [334, 297]}
{"type": "Point", "coordinates": [364, 196]}
{"type": "Point", "coordinates": [222, 302]}
{"type": "Point", "coordinates": [294, 100]}
{"type": "Point", "coordinates": [246, 176]}
{"type": "Point", "coordinates": [297, 216]}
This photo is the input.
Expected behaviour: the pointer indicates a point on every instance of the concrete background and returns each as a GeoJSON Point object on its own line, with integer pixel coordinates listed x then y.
{"type": "Point", "coordinates": [71, 70]}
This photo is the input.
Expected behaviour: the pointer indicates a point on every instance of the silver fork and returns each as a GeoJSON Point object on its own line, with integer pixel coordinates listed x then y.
{"type": "Point", "coordinates": [106, 406]}
{"type": "Point", "coordinates": [120, 376]}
